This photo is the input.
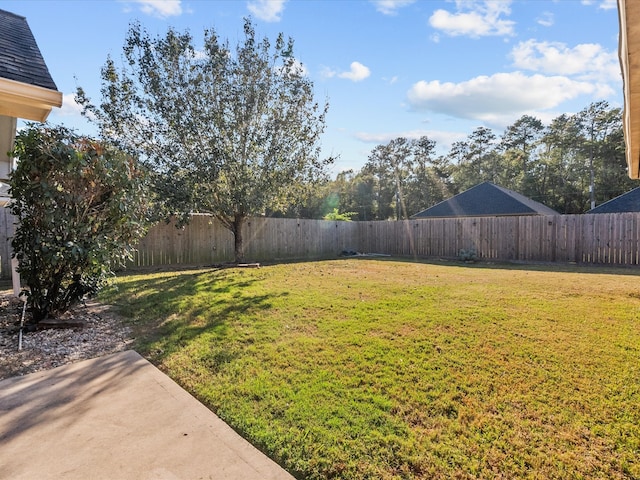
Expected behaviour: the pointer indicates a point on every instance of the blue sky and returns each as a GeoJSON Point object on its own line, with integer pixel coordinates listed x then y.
{"type": "Point", "coordinates": [388, 68]}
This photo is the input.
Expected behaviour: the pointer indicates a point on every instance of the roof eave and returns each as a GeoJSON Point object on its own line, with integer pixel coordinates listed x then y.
{"type": "Point", "coordinates": [629, 52]}
{"type": "Point", "coordinates": [486, 215]}
{"type": "Point", "coordinates": [31, 102]}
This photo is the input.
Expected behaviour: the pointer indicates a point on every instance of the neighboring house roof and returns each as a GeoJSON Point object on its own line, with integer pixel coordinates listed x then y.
{"type": "Point", "coordinates": [26, 87]}
{"type": "Point", "coordinates": [627, 202]}
{"type": "Point", "coordinates": [486, 200]}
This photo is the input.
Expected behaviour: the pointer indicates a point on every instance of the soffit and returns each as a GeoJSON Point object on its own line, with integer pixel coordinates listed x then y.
{"type": "Point", "coordinates": [629, 52]}
{"type": "Point", "coordinates": [26, 101]}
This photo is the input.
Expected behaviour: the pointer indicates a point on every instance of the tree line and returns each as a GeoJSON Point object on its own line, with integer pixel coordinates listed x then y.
{"type": "Point", "coordinates": [555, 164]}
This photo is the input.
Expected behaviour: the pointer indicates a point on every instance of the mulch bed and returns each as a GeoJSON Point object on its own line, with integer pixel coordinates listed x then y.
{"type": "Point", "coordinates": [84, 332]}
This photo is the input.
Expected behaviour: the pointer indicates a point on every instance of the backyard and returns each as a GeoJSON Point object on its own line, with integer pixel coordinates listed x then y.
{"type": "Point", "coordinates": [386, 368]}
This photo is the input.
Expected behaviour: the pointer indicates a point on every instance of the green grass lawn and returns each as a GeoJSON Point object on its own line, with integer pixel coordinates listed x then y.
{"type": "Point", "coordinates": [384, 369]}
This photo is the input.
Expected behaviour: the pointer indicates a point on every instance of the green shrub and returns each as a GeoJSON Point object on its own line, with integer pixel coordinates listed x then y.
{"type": "Point", "coordinates": [81, 205]}
{"type": "Point", "coordinates": [468, 256]}
{"type": "Point", "coordinates": [335, 215]}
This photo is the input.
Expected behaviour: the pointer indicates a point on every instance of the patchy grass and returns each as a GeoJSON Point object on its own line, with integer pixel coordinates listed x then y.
{"type": "Point", "coordinates": [384, 369]}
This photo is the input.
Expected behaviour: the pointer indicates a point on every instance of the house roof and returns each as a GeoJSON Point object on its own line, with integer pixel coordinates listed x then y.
{"type": "Point", "coordinates": [20, 57]}
{"type": "Point", "coordinates": [486, 200]}
{"type": "Point", "coordinates": [26, 87]}
{"type": "Point", "coordinates": [627, 202]}
{"type": "Point", "coordinates": [629, 54]}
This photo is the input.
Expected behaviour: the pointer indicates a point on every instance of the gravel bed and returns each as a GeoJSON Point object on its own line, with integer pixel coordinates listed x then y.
{"type": "Point", "coordinates": [103, 333]}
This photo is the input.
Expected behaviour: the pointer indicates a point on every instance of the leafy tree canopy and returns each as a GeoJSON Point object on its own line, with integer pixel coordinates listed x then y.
{"type": "Point", "coordinates": [230, 132]}
{"type": "Point", "coordinates": [81, 206]}
{"type": "Point", "coordinates": [335, 215]}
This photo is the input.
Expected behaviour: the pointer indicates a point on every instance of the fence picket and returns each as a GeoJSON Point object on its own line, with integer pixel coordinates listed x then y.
{"type": "Point", "coordinates": [604, 238]}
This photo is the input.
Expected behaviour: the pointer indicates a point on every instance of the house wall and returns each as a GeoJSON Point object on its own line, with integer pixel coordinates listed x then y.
{"type": "Point", "coordinates": [7, 137]}
{"type": "Point", "coordinates": [6, 233]}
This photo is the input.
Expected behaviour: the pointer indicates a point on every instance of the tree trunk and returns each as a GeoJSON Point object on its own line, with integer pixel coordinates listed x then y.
{"type": "Point", "coordinates": [238, 222]}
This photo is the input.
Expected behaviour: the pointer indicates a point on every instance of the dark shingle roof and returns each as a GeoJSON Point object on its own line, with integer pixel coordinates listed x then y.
{"type": "Point", "coordinates": [486, 200]}
{"type": "Point", "coordinates": [627, 202]}
{"type": "Point", "coordinates": [20, 57]}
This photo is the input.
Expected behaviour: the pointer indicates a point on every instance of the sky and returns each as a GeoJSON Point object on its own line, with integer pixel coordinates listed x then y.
{"type": "Point", "coordinates": [388, 68]}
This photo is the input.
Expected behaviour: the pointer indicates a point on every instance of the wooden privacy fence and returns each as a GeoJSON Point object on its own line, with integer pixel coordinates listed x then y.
{"type": "Point", "coordinates": [612, 239]}
{"type": "Point", "coordinates": [205, 241]}
{"type": "Point", "coordinates": [600, 239]}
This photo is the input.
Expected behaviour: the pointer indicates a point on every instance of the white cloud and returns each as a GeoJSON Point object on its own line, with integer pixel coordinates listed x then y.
{"type": "Point", "coordinates": [160, 8]}
{"type": "Point", "coordinates": [267, 10]}
{"type": "Point", "coordinates": [378, 138]}
{"type": "Point", "coordinates": [328, 72]}
{"type": "Point", "coordinates": [587, 61]}
{"type": "Point", "coordinates": [296, 68]}
{"type": "Point", "coordinates": [603, 4]}
{"type": "Point", "coordinates": [198, 54]}
{"type": "Point", "coordinates": [496, 99]}
{"type": "Point", "coordinates": [546, 19]}
{"type": "Point", "coordinates": [443, 139]}
{"type": "Point", "coordinates": [474, 18]}
{"type": "Point", "coordinates": [69, 106]}
{"type": "Point", "coordinates": [357, 73]}
{"type": "Point", "coordinates": [608, 4]}
{"type": "Point", "coordinates": [391, 7]}
{"type": "Point", "coordinates": [70, 115]}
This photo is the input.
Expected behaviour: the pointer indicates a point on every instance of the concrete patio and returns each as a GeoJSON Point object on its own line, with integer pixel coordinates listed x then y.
{"type": "Point", "coordinates": [117, 417]}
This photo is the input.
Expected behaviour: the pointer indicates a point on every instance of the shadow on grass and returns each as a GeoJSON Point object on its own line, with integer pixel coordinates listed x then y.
{"type": "Point", "coordinates": [601, 269]}
{"type": "Point", "coordinates": [167, 311]}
